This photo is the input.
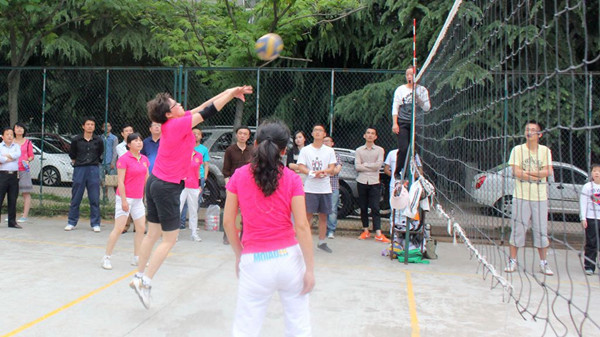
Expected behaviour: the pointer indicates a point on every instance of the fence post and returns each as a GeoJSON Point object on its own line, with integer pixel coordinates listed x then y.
{"type": "Point", "coordinates": [257, 96]}
{"type": "Point", "coordinates": [43, 128]}
{"type": "Point", "coordinates": [588, 133]}
{"type": "Point", "coordinates": [332, 93]}
{"type": "Point", "coordinates": [185, 89]}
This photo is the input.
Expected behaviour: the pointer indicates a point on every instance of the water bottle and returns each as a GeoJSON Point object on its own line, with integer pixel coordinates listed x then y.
{"type": "Point", "coordinates": [26, 166]}
{"type": "Point", "coordinates": [212, 218]}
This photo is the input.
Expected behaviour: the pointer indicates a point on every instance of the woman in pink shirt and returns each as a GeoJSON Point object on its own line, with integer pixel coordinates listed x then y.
{"type": "Point", "coordinates": [25, 184]}
{"type": "Point", "coordinates": [169, 173]}
{"type": "Point", "coordinates": [274, 255]}
{"type": "Point", "coordinates": [132, 173]}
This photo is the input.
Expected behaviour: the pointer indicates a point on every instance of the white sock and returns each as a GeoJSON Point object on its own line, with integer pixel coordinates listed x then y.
{"type": "Point", "coordinates": [139, 275]}
{"type": "Point", "coordinates": [146, 280]}
{"type": "Point", "coordinates": [321, 241]}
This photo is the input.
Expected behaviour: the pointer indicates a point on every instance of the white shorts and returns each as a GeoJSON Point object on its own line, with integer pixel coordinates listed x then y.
{"type": "Point", "coordinates": [136, 208]}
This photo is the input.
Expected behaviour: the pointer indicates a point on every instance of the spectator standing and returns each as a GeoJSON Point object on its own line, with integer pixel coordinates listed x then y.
{"type": "Point", "coordinates": [190, 194]}
{"type": "Point", "coordinates": [236, 156]}
{"type": "Point", "coordinates": [9, 171]}
{"type": "Point", "coordinates": [86, 155]}
{"type": "Point", "coordinates": [203, 151]}
{"type": "Point", "coordinates": [402, 114]}
{"type": "Point", "coordinates": [151, 143]}
{"type": "Point", "coordinates": [369, 159]}
{"type": "Point", "coordinates": [318, 162]}
{"type": "Point", "coordinates": [334, 180]}
{"type": "Point", "coordinates": [292, 157]}
{"type": "Point", "coordinates": [109, 159]}
{"type": "Point", "coordinates": [589, 213]}
{"type": "Point", "coordinates": [531, 165]}
{"type": "Point", "coordinates": [25, 184]}
{"type": "Point", "coordinates": [126, 130]}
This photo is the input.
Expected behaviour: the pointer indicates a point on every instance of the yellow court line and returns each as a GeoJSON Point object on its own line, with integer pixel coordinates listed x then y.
{"type": "Point", "coordinates": [412, 306]}
{"type": "Point", "coordinates": [66, 306]}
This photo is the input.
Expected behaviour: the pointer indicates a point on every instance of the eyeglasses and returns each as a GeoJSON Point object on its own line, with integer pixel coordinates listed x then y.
{"type": "Point", "coordinates": [174, 105]}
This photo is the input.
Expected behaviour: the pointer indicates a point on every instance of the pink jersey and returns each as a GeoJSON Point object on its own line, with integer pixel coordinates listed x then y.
{"type": "Point", "coordinates": [267, 220]}
{"type": "Point", "coordinates": [193, 179]}
{"type": "Point", "coordinates": [176, 139]}
{"type": "Point", "coordinates": [135, 174]}
{"type": "Point", "coordinates": [26, 152]}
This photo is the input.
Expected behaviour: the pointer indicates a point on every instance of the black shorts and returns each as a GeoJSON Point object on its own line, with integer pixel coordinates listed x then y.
{"type": "Point", "coordinates": [162, 203]}
{"type": "Point", "coordinates": [318, 203]}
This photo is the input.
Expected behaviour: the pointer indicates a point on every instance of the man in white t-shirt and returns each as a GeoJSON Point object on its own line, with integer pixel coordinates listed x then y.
{"type": "Point", "coordinates": [318, 162]}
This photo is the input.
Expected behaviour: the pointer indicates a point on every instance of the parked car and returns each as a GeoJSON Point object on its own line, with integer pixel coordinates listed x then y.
{"type": "Point", "coordinates": [495, 187]}
{"type": "Point", "coordinates": [53, 167]}
{"type": "Point", "coordinates": [218, 138]}
{"type": "Point", "coordinates": [61, 142]}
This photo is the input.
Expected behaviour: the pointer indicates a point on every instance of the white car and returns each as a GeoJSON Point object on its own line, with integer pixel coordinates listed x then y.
{"type": "Point", "coordinates": [495, 187]}
{"type": "Point", "coordinates": [54, 167]}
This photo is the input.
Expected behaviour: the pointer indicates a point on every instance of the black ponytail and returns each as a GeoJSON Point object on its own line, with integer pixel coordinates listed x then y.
{"type": "Point", "coordinates": [271, 138]}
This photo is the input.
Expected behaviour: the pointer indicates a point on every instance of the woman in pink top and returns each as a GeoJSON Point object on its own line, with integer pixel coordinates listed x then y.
{"type": "Point", "coordinates": [274, 255]}
{"type": "Point", "coordinates": [25, 184]}
{"type": "Point", "coordinates": [169, 173]}
{"type": "Point", "coordinates": [132, 173]}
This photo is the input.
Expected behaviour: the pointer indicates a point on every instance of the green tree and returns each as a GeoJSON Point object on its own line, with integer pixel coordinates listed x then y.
{"type": "Point", "coordinates": [70, 32]}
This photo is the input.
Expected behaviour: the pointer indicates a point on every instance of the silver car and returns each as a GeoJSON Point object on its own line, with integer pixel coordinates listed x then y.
{"type": "Point", "coordinates": [495, 187]}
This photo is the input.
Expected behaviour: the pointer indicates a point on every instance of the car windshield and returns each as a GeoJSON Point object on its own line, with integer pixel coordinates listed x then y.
{"type": "Point", "coordinates": [48, 148]}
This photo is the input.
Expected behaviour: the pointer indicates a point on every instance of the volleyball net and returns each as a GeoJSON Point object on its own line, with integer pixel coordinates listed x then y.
{"type": "Point", "coordinates": [495, 66]}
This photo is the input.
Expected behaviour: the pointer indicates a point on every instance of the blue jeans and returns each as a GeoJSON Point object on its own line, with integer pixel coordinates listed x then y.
{"type": "Point", "coordinates": [85, 177]}
{"type": "Point", "coordinates": [184, 211]}
{"type": "Point", "coordinates": [332, 217]}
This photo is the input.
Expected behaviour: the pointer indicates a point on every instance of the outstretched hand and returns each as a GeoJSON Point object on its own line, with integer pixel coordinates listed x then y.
{"type": "Point", "coordinates": [239, 92]}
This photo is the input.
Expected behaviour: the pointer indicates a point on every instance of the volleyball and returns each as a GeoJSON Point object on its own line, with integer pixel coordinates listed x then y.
{"type": "Point", "coordinates": [268, 46]}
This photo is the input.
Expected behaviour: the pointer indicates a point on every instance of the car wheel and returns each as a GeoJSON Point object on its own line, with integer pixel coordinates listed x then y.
{"type": "Point", "coordinates": [212, 193]}
{"type": "Point", "coordinates": [503, 206]}
{"type": "Point", "coordinates": [346, 202]}
{"type": "Point", "coordinates": [50, 176]}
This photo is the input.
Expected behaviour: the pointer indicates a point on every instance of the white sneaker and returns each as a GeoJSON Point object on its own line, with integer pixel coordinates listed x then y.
{"type": "Point", "coordinates": [135, 260]}
{"type": "Point", "coordinates": [69, 227]}
{"type": "Point", "coordinates": [545, 269]}
{"type": "Point", "coordinates": [142, 290]}
{"type": "Point", "coordinates": [330, 235]}
{"type": "Point", "coordinates": [96, 229]}
{"type": "Point", "coordinates": [511, 266]}
{"type": "Point", "coordinates": [589, 272]}
{"type": "Point", "coordinates": [196, 237]}
{"type": "Point", "coordinates": [106, 263]}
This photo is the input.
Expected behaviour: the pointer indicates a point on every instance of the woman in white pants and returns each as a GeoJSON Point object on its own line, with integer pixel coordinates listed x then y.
{"type": "Point", "coordinates": [274, 256]}
{"type": "Point", "coordinates": [191, 192]}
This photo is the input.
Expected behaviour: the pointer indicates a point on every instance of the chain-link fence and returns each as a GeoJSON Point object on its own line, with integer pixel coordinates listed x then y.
{"type": "Point", "coordinates": [52, 102]}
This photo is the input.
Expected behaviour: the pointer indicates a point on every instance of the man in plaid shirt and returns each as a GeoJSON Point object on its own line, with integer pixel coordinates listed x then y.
{"type": "Point", "coordinates": [335, 191]}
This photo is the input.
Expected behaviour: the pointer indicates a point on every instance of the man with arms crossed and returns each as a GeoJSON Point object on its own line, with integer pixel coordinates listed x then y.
{"type": "Point", "coordinates": [531, 164]}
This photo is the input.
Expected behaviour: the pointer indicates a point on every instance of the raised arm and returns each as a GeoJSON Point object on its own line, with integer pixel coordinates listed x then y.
{"type": "Point", "coordinates": [205, 110]}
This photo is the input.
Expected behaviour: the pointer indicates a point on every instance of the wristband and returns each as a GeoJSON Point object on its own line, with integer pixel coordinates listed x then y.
{"type": "Point", "coordinates": [209, 111]}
